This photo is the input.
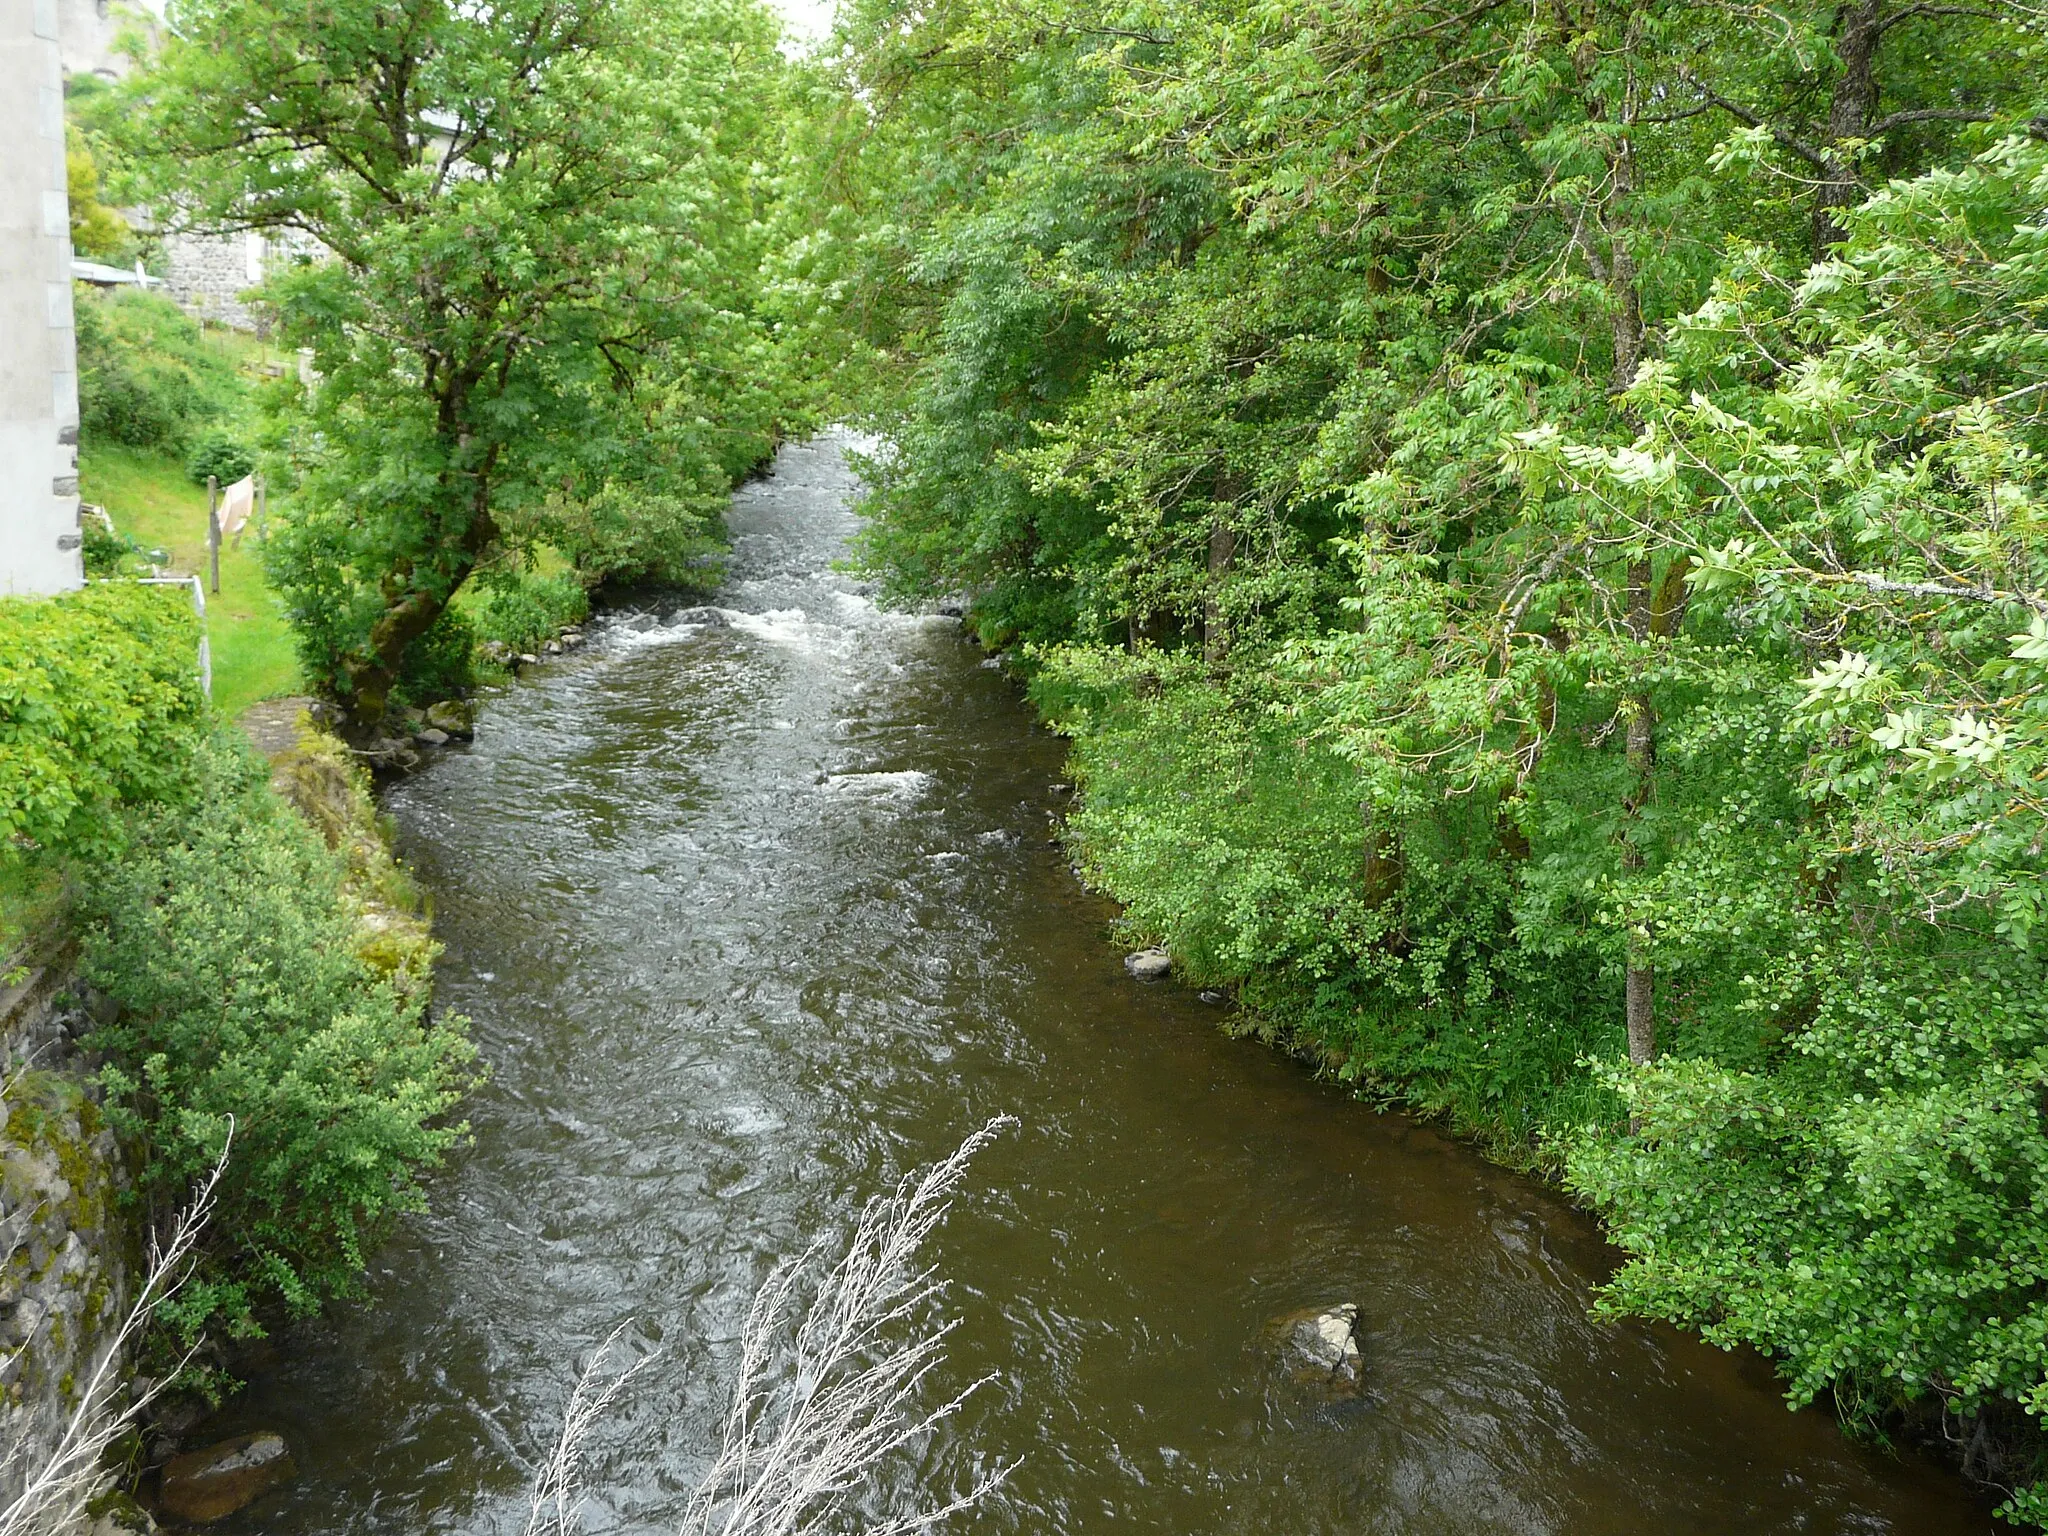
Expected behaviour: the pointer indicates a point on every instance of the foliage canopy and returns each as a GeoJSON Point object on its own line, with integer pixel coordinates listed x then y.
{"type": "Point", "coordinates": [529, 247]}
{"type": "Point", "coordinates": [1532, 519]}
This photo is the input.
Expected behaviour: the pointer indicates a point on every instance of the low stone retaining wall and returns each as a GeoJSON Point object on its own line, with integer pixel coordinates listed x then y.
{"type": "Point", "coordinates": [70, 1259]}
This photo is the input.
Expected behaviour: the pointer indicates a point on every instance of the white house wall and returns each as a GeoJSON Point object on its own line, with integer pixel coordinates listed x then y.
{"type": "Point", "coordinates": [39, 539]}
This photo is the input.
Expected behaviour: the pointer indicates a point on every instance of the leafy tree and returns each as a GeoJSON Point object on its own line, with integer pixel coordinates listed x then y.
{"type": "Point", "coordinates": [1528, 516]}
{"type": "Point", "coordinates": [541, 224]}
{"type": "Point", "coordinates": [96, 230]}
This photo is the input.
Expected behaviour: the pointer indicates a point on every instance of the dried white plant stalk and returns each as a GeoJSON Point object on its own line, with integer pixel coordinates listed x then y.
{"type": "Point", "coordinates": [554, 1490]}
{"type": "Point", "coordinates": [56, 1485]}
{"type": "Point", "coordinates": [825, 1392]}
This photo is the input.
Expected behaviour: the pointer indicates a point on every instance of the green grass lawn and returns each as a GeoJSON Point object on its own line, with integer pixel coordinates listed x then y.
{"type": "Point", "coordinates": [151, 499]}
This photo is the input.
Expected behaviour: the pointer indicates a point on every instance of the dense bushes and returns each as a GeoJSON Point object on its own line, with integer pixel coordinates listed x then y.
{"type": "Point", "coordinates": [146, 378]}
{"type": "Point", "coordinates": [638, 536]}
{"type": "Point", "coordinates": [254, 995]}
{"type": "Point", "coordinates": [1535, 524]}
{"type": "Point", "coordinates": [221, 455]}
{"type": "Point", "coordinates": [99, 707]}
{"type": "Point", "coordinates": [1863, 1205]}
{"type": "Point", "coordinates": [522, 610]}
{"type": "Point", "coordinates": [266, 975]}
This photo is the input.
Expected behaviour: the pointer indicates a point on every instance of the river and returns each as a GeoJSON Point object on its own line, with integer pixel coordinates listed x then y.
{"type": "Point", "coordinates": [752, 916]}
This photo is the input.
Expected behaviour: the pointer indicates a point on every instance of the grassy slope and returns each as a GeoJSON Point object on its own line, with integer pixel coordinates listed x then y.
{"type": "Point", "coordinates": [151, 498]}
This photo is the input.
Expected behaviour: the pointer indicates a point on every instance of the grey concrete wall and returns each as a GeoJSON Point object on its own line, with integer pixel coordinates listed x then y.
{"type": "Point", "coordinates": [39, 539]}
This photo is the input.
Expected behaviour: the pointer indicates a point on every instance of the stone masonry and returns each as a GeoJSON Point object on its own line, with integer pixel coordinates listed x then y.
{"type": "Point", "coordinates": [65, 1252]}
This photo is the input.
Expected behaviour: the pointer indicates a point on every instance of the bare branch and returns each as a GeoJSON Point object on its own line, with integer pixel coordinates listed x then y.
{"type": "Point", "coordinates": [1805, 151]}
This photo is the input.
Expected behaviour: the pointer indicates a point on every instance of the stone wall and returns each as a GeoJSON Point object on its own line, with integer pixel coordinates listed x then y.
{"type": "Point", "coordinates": [69, 1259]}
{"type": "Point", "coordinates": [207, 274]}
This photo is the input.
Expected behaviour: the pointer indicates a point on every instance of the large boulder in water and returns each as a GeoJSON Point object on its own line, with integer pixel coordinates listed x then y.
{"type": "Point", "coordinates": [206, 1485]}
{"type": "Point", "coordinates": [1321, 1348]}
{"type": "Point", "coordinates": [1149, 964]}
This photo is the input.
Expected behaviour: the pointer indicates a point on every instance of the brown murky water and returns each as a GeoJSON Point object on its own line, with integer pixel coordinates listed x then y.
{"type": "Point", "coordinates": [752, 917]}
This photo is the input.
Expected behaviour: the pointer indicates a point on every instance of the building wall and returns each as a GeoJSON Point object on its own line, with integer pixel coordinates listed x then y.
{"type": "Point", "coordinates": [39, 538]}
{"type": "Point", "coordinates": [208, 273]}
{"type": "Point", "coordinates": [87, 31]}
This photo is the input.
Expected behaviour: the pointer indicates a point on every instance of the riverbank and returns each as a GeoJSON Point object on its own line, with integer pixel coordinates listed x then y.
{"type": "Point", "coordinates": [226, 942]}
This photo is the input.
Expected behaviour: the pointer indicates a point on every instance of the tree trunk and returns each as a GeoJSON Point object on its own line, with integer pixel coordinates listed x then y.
{"type": "Point", "coordinates": [1215, 632]}
{"type": "Point", "coordinates": [413, 602]}
{"type": "Point", "coordinates": [1859, 28]}
{"type": "Point", "coordinates": [1383, 871]}
{"type": "Point", "coordinates": [373, 674]}
{"type": "Point", "coordinates": [1642, 721]}
{"type": "Point", "coordinates": [1614, 266]}
{"type": "Point", "coordinates": [1642, 1016]}
{"type": "Point", "coordinates": [1380, 878]}
{"type": "Point", "coordinates": [1642, 764]}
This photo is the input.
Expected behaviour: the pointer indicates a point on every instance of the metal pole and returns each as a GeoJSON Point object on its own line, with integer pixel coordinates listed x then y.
{"type": "Point", "coordinates": [198, 607]}
{"type": "Point", "coordinates": [206, 649]}
{"type": "Point", "coordinates": [213, 528]}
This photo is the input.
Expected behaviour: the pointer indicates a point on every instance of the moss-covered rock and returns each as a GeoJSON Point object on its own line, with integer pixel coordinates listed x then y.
{"type": "Point", "coordinates": [324, 782]}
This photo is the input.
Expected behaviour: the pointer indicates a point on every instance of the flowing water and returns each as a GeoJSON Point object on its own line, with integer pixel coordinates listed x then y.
{"type": "Point", "coordinates": [753, 915]}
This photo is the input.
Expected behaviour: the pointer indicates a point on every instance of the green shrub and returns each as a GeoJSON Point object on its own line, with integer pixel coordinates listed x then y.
{"type": "Point", "coordinates": [146, 376]}
{"type": "Point", "coordinates": [1861, 1208]}
{"type": "Point", "coordinates": [227, 936]}
{"type": "Point", "coordinates": [636, 537]}
{"type": "Point", "coordinates": [221, 455]}
{"type": "Point", "coordinates": [99, 705]}
{"type": "Point", "coordinates": [521, 610]}
{"type": "Point", "coordinates": [440, 664]}
{"type": "Point", "coordinates": [105, 550]}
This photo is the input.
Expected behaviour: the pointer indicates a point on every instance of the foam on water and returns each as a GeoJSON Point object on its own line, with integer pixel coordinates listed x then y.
{"type": "Point", "coordinates": [902, 786]}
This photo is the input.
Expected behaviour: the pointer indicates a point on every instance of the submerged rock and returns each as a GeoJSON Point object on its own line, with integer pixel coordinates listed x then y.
{"type": "Point", "coordinates": [205, 1485]}
{"type": "Point", "coordinates": [1321, 1346]}
{"type": "Point", "coordinates": [710, 618]}
{"type": "Point", "coordinates": [1152, 964]}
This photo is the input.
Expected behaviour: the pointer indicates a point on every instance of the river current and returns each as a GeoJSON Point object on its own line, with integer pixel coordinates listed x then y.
{"type": "Point", "coordinates": [752, 916]}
